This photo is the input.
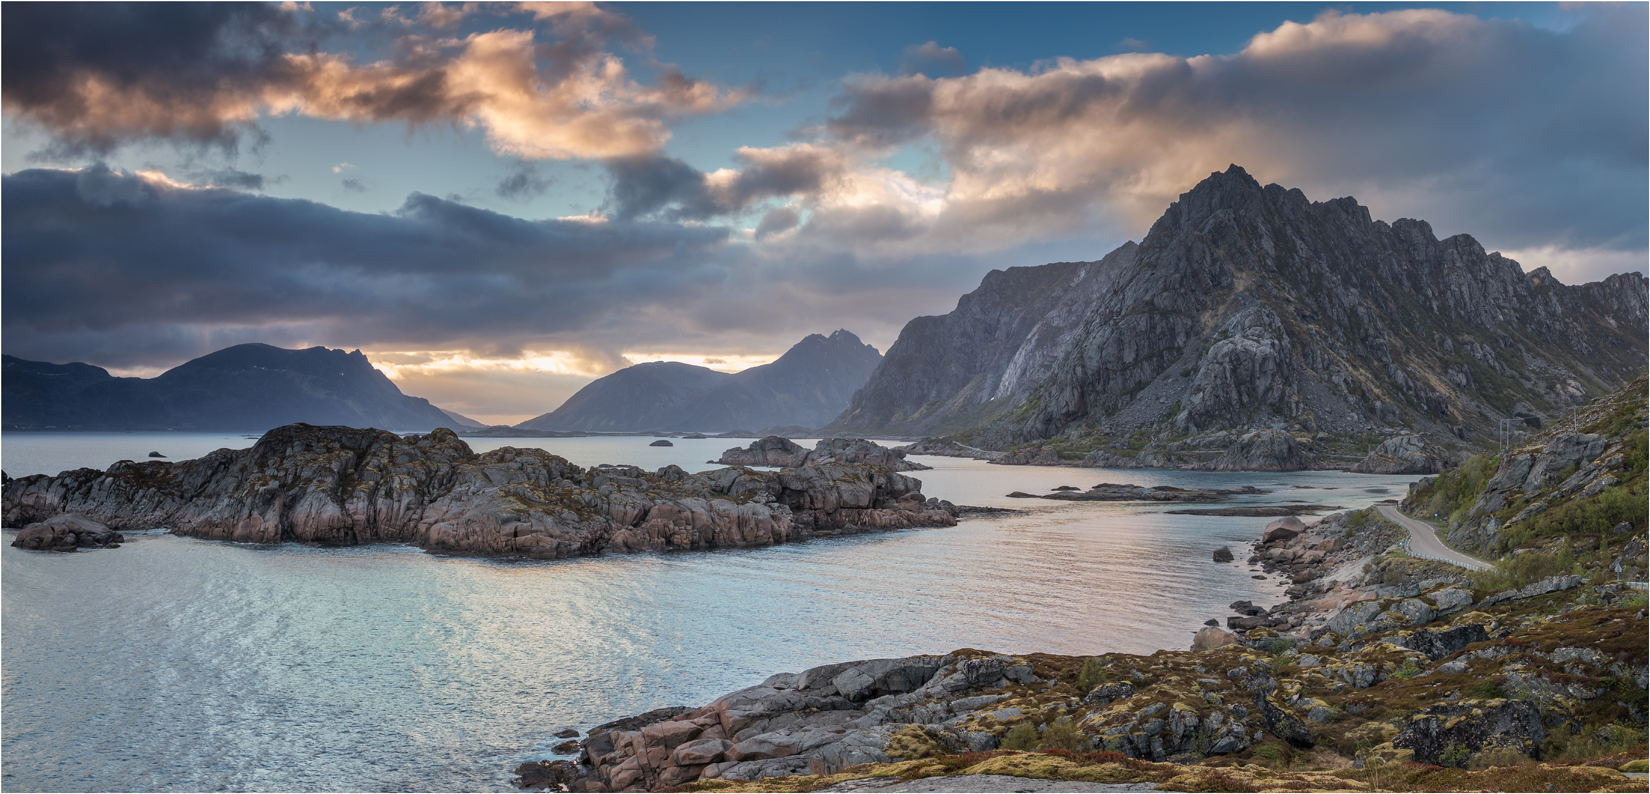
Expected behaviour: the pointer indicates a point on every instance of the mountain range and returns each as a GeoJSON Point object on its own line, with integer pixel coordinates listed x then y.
{"type": "Point", "coordinates": [1250, 308]}
{"type": "Point", "coordinates": [245, 388]}
{"type": "Point", "coordinates": [808, 386]}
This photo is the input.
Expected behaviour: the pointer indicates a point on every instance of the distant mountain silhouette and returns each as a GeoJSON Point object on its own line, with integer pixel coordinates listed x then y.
{"type": "Point", "coordinates": [250, 388]}
{"type": "Point", "coordinates": [807, 386]}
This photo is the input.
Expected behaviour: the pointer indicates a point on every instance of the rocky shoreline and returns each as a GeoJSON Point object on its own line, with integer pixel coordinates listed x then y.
{"type": "Point", "coordinates": [1264, 449]}
{"type": "Point", "coordinates": [339, 486]}
{"type": "Point", "coordinates": [1373, 656]}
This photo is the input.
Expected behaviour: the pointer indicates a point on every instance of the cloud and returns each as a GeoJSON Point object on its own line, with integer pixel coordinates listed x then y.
{"type": "Point", "coordinates": [354, 185]}
{"type": "Point", "coordinates": [525, 183]}
{"type": "Point", "coordinates": [234, 178]}
{"type": "Point", "coordinates": [1494, 127]}
{"type": "Point", "coordinates": [98, 77]}
{"type": "Point", "coordinates": [139, 268]}
{"type": "Point", "coordinates": [931, 58]}
{"type": "Point", "coordinates": [668, 186]}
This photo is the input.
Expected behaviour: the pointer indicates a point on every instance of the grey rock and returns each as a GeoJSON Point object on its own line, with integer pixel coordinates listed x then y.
{"type": "Point", "coordinates": [66, 532]}
{"type": "Point", "coordinates": [1475, 725]}
{"type": "Point", "coordinates": [338, 486]}
{"type": "Point", "coordinates": [1223, 554]}
{"type": "Point", "coordinates": [1406, 454]}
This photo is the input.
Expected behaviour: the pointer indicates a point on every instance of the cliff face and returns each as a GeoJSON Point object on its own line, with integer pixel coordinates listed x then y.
{"type": "Point", "coordinates": [953, 371]}
{"type": "Point", "coordinates": [807, 386]}
{"type": "Point", "coordinates": [1248, 308]}
{"type": "Point", "coordinates": [250, 387]}
{"type": "Point", "coordinates": [343, 486]}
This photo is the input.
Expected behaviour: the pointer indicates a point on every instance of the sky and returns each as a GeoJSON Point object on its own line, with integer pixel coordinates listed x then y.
{"type": "Point", "coordinates": [501, 202]}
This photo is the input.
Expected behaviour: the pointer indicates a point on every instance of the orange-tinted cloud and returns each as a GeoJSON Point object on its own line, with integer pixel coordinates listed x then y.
{"type": "Point", "coordinates": [208, 74]}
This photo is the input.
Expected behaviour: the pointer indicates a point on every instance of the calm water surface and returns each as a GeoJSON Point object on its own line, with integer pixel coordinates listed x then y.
{"type": "Point", "coordinates": [179, 664]}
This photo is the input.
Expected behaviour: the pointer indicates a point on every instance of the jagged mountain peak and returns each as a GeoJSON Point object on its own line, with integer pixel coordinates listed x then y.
{"type": "Point", "coordinates": [1250, 308]}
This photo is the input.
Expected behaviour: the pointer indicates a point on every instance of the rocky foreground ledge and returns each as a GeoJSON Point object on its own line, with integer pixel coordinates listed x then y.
{"type": "Point", "coordinates": [341, 486]}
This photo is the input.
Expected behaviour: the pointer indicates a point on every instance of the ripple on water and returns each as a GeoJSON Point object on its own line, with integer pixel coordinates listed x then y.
{"type": "Point", "coordinates": [177, 664]}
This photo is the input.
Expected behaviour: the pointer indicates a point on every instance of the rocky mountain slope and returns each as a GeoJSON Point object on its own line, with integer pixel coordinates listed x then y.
{"type": "Point", "coordinates": [245, 388]}
{"type": "Point", "coordinates": [951, 372]}
{"type": "Point", "coordinates": [339, 486]}
{"type": "Point", "coordinates": [1249, 308]}
{"type": "Point", "coordinates": [807, 386]}
{"type": "Point", "coordinates": [1580, 482]}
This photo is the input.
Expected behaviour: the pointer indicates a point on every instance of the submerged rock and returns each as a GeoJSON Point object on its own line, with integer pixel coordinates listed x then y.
{"type": "Point", "coordinates": [342, 486]}
{"type": "Point", "coordinates": [1223, 554]}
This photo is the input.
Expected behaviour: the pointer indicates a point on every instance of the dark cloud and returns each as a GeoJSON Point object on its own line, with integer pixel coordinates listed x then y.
{"type": "Point", "coordinates": [234, 178]}
{"type": "Point", "coordinates": [931, 59]}
{"type": "Point", "coordinates": [674, 190]}
{"type": "Point", "coordinates": [354, 185]}
{"type": "Point", "coordinates": [883, 112]}
{"type": "Point", "coordinates": [142, 270]}
{"type": "Point", "coordinates": [97, 76]}
{"type": "Point", "coordinates": [159, 68]}
{"type": "Point", "coordinates": [525, 183]}
{"type": "Point", "coordinates": [777, 221]}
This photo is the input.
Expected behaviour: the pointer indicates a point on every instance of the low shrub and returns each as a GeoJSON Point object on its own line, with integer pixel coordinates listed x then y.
{"type": "Point", "coordinates": [1021, 737]}
{"type": "Point", "coordinates": [1061, 734]}
{"type": "Point", "coordinates": [1092, 675]}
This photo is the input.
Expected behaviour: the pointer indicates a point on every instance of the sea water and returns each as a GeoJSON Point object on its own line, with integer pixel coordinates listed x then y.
{"type": "Point", "coordinates": [180, 664]}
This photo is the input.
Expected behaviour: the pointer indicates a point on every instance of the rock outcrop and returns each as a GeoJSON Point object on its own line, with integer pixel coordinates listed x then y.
{"type": "Point", "coordinates": [820, 720]}
{"type": "Point", "coordinates": [777, 451]}
{"type": "Point", "coordinates": [1406, 454]}
{"type": "Point", "coordinates": [343, 486]}
{"type": "Point", "coordinates": [1259, 450]}
{"type": "Point", "coordinates": [1590, 453]}
{"type": "Point", "coordinates": [66, 532]}
{"type": "Point", "coordinates": [947, 447]}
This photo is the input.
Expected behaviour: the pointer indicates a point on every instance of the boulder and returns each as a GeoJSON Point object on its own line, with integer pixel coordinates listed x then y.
{"type": "Point", "coordinates": [769, 451]}
{"type": "Point", "coordinates": [1349, 619]}
{"type": "Point", "coordinates": [1439, 643]}
{"type": "Point", "coordinates": [1223, 554]}
{"type": "Point", "coordinates": [66, 532]}
{"type": "Point", "coordinates": [1283, 724]}
{"type": "Point", "coordinates": [1210, 638]}
{"type": "Point", "coordinates": [1447, 734]}
{"type": "Point", "coordinates": [1282, 529]}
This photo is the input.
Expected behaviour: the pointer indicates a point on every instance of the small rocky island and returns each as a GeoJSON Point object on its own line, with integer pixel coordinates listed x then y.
{"type": "Point", "coordinates": [779, 451]}
{"type": "Point", "coordinates": [340, 486]}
